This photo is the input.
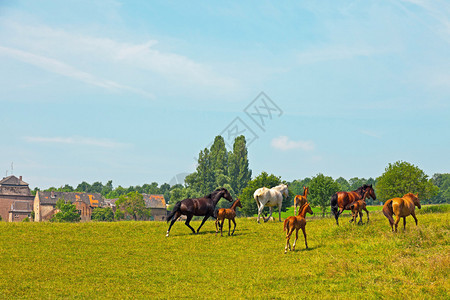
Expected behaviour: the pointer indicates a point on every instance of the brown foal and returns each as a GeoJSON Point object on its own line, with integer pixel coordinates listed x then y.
{"type": "Point", "coordinates": [296, 223]}
{"type": "Point", "coordinates": [227, 213]}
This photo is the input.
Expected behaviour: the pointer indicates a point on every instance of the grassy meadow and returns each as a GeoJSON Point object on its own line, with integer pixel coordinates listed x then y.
{"type": "Point", "coordinates": [136, 260]}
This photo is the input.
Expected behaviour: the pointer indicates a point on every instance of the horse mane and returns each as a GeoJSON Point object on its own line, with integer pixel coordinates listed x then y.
{"type": "Point", "coordinates": [301, 210]}
{"type": "Point", "coordinates": [213, 194]}
{"type": "Point", "coordinates": [361, 189]}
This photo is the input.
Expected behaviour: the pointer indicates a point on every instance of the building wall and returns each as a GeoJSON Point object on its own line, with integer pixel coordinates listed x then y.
{"type": "Point", "coordinates": [158, 214]}
{"type": "Point", "coordinates": [7, 200]}
{"type": "Point", "coordinates": [46, 212]}
{"type": "Point", "coordinates": [18, 216]}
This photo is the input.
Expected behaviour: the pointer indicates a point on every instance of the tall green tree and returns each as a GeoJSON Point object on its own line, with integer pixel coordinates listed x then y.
{"type": "Point", "coordinates": [442, 181]}
{"type": "Point", "coordinates": [343, 184]}
{"type": "Point", "coordinates": [248, 203]}
{"type": "Point", "coordinates": [402, 177]}
{"type": "Point", "coordinates": [321, 189]}
{"type": "Point", "coordinates": [238, 166]}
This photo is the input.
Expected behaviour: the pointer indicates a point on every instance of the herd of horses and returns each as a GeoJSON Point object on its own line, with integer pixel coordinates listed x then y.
{"type": "Point", "coordinates": [273, 197]}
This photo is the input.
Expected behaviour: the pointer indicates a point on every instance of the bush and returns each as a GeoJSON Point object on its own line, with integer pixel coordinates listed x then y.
{"type": "Point", "coordinates": [26, 219]}
{"type": "Point", "coordinates": [429, 209]}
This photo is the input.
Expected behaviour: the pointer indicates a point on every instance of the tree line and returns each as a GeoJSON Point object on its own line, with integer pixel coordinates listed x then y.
{"type": "Point", "coordinates": [218, 167]}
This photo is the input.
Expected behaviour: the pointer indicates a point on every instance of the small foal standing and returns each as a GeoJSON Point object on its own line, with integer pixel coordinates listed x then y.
{"type": "Point", "coordinates": [357, 207]}
{"type": "Point", "coordinates": [227, 213]}
{"type": "Point", "coordinates": [300, 200]}
{"type": "Point", "coordinates": [296, 223]}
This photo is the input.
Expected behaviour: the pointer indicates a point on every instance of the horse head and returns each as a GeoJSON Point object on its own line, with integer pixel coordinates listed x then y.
{"type": "Point", "coordinates": [283, 189]}
{"type": "Point", "coordinates": [369, 188]}
{"type": "Point", "coordinates": [226, 194]}
{"type": "Point", "coordinates": [306, 209]}
{"type": "Point", "coordinates": [305, 191]}
{"type": "Point", "coordinates": [238, 203]}
{"type": "Point", "coordinates": [415, 199]}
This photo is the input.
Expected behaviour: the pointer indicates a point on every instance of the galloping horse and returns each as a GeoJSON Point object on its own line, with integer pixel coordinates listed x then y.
{"type": "Point", "coordinates": [296, 223]}
{"type": "Point", "coordinates": [401, 207]}
{"type": "Point", "coordinates": [227, 213]}
{"type": "Point", "coordinates": [340, 200]}
{"type": "Point", "coordinates": [204, 206]}
{"type": "Point", "coordinates": [357, 207]}
{"type": "Point", "coordinates": [270, 198]}
{"type": "Point", "coordinates": [299, 200]}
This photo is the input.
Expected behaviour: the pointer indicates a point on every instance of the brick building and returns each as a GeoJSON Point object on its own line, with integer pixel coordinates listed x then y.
{"type": "Point", "coordinates": [45, 204]}
{"type": "Point", "coordinates": [16, 200]}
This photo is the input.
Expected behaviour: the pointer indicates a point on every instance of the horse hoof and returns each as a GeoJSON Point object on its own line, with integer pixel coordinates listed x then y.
{"type": "Point", "coordinates": [167, 234]}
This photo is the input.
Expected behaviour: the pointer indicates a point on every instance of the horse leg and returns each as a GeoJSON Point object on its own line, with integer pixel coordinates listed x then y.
{"type": "Point", "coordinates": [260, 210]}
{"type": "Point", "coordinates": [396, 222]}
{"type": "Point", "coordinates": [336, 216]}
{"type": "Point", "coordinates": [217, 230]}
{"type": "Point", "coordinates": [270, 215]}
{"type": "Point", "coordinates": [203, 222]}
{"type": "Point", "coordinates": [288, 237]}
{"type": "Point", "coordinates": [175, 217]}
{"type": "Point", "coordinates": [360, 218]}
{"type": "Point", "coordinates": [188, 220]}
{"type": "Point", "coordinates": [367, 212]}
{"type": "Point", "coordinates": [304, 234]}
{"type": "Point", "coordinates": [413, 214]}
{"type": "Point", "coordinates": [229, 226]}
{"type": "Point", "coordinates": [279, 212]}
{"type": "Point", "coordinates": [404, 223]}
{"type": "Point", "coordinates": [234, 222]}
{"type": "Point", "coordinates": [221, 227]}
{"type": "Point", "coordinates": [296, 238]}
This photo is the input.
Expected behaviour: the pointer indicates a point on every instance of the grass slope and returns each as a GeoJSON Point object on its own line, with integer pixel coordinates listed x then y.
{"type": "Point", "coordinates": [136, 260]}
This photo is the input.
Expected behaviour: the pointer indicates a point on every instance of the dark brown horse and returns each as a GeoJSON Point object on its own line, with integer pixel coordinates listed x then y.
{"type": "Point", "coordinates": [204, 206]}
{"type": "Point", "coordinates": [341, 201]}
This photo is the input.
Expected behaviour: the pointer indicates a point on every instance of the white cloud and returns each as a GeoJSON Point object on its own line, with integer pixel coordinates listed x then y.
{"type": "Point", "coordinates": [69, 52]}
{"type": "Point", "coordinates": [58, 67]}
{"type": "Point", "coordinates": [283, 143]}
{"type": "Point", "coordinates": [77, 140]}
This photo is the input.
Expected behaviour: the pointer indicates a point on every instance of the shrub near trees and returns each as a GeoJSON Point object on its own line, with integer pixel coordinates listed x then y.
{"type": "Point", "coordinates": [321, 188]}
{"type": "Point", "coordinates": [132, 205]}
{"type": "Point", "coordinates": [67, 212]}
{"type": "Point", "coordinates": [402, 177]}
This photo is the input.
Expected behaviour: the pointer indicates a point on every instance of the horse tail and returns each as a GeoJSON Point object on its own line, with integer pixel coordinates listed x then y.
{"type": "Point", "coordinates": [286, 225]}
{"type": "Point", "coordinates": [174, 210]}
{"type": "Point", "coordinates": [388, 211]}
{"type": "Point", "coordinates": [334, 204]}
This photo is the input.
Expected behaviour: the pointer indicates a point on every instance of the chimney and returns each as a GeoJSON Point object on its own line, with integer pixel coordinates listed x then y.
{"type": "Point", "coordinates": [20, 177]}
{"type": "Point", "coordinates": [52, 194]}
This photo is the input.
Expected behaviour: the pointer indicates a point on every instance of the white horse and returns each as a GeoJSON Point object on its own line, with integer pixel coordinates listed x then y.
{"type": "Point", "coordinates": [270, 198]}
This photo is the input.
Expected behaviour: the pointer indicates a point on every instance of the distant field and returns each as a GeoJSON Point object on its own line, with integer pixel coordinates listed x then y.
{"type": "Point", "coordinates": [136, 260]}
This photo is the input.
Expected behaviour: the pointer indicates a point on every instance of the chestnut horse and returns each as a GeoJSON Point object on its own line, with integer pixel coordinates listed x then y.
{"type": "Point", "coordinates": [357, 207]}
{"type": "Point", "coordinates": [299, 200]}
{"type": "Point", "coordinates": [227, 213]}
{"type": "Point", "coordinates": [401, 208]}
{"type": "Point", "coordinates": [341, 200]}
{"type": "Point", "coordinates": [296, 223]}
{"type": "Point", "coordinates": [204, 206]}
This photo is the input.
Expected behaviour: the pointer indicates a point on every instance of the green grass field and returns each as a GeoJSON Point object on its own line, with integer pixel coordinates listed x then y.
{"type": "Point", "coordinates": [136, 260]}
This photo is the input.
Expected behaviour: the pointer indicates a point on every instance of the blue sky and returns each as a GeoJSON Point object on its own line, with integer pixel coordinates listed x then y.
{"type": "Point", "coordinates": [132, 90]}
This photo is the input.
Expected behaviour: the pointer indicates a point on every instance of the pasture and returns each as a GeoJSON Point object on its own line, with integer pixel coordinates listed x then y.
{"type": "Point", "coordinates": [136, 260]}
